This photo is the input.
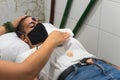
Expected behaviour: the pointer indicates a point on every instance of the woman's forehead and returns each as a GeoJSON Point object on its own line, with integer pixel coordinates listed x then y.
{"type": "Point", "coordinates": [27, 23]}
{"type": "Point", "coordinates": [27, 20]}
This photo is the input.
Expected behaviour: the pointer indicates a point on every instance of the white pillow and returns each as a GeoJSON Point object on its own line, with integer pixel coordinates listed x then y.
{"type": "Point", "coordinates": [11, 46]}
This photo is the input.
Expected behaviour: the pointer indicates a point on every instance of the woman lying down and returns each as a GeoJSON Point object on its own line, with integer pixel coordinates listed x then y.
{"type": "Point", "coordinates": [69, 61]}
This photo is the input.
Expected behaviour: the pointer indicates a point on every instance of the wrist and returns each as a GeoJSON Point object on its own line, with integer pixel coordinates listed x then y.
{"type": "Point", "coordinates": [9, 27]}
{"type": "Point", "coordinates": [51, 42]}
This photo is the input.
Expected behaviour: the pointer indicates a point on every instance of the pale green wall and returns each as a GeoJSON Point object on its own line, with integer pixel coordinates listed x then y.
{"type": "Point", "coordinates": [10, 9]}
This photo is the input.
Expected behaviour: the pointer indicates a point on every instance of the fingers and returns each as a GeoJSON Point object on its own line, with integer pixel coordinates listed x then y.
{"type": "Point", "coordinates": [17, 20]}
{"type": "Point", "coordinates": [59, 37]}
{"type": "Point", "coordinates": [66, 35]}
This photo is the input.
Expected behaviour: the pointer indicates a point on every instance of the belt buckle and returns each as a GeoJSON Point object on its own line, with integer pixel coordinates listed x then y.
{"type": "Point", "coordinates": [82, 63]}
{"type": "Point", "coordinates": [87, 61]}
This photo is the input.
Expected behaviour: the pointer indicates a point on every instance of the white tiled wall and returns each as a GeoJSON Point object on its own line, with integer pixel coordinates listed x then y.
{"type": "Point", "coordinates": [100, 34]}
{"type": "Point", "coordinates": [109, 47]}
{"type": "Point", "coordinates": [110, 17]}
{"type": "Point", "coordinates": [88, 36]}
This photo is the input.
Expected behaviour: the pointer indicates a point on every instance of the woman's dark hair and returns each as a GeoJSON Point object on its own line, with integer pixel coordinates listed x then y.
{"type": "Point", "coordinates": [19, 30]}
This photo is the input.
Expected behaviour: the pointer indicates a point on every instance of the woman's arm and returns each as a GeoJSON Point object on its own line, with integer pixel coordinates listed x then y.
{"type": "Point", "coordinates": [14, 24]}
{"type": "Point", "coordinates": [29, 69]}
{"type": "Point", "coordinates": [2, 30]}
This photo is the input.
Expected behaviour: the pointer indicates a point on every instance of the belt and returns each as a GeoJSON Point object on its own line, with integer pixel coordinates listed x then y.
{"type": "Point", "coordinates": [70, 69]}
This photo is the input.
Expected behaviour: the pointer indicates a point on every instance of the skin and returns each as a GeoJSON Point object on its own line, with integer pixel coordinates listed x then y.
{"type": "Point", "coordinates": [29, 69]}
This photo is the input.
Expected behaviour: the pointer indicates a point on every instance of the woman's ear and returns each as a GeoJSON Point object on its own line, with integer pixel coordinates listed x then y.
{"type": "Point", "coordinates": [24, 38]}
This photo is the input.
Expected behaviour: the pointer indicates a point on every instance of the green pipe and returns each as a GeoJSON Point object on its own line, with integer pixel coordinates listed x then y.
{"type": "Point", "coordinates": [66, 12]}
{"type": "Point", "coordinates": [82, 18]}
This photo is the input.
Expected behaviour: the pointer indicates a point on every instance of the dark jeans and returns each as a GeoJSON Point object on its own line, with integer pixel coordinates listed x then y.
{"type": "Point", "coordinates": [99, 70]}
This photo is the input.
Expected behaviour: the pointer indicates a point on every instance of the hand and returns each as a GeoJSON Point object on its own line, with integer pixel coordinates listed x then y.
{"type": "Point", "coordinates": [17, 20]}
{"type": "Point", "coordinates": [58, 37]}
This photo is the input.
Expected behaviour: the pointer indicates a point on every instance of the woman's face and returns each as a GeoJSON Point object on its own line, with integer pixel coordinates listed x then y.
{"type": "Point", "coordinates": [29, 24]}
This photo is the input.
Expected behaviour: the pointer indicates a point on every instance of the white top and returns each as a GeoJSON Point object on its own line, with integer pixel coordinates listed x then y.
{"type": "Point", "coordinates": [62, 57]}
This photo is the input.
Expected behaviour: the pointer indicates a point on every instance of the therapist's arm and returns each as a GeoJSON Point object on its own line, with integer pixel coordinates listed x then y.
{"type": "Point", "coordinates": [30, 68]}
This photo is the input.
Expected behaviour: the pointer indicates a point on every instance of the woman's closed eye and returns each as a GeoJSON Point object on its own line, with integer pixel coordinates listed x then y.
{"type": "Point", "coordinates": [32, 25]}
